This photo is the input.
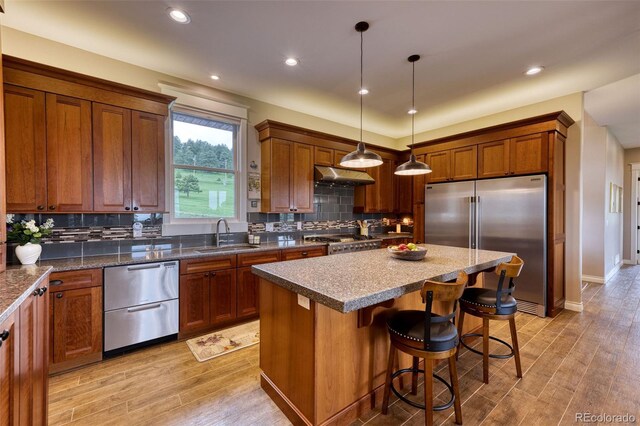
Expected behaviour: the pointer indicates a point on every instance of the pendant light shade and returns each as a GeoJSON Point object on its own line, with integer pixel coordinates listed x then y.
{"type": "Point", "coordinates": [413, 167]}
{"type": "Point", "coordinates": [361, 157]}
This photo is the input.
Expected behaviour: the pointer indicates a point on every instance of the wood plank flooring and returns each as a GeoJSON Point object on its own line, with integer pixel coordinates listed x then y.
{"type": "Point", "coordinates": [576, 362]}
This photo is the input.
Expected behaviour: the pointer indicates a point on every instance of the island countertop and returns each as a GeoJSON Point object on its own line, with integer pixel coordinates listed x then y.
{"type": "Point", "coordinates": [17, 284]}
{"type": "Point", "coordinates": [351, 281]}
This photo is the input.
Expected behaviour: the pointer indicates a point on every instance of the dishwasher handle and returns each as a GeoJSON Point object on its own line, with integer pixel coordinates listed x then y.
{"type": "Point", "coordinates": [144, 308]}
{"type": "Point", "coordinates": [141, 267]}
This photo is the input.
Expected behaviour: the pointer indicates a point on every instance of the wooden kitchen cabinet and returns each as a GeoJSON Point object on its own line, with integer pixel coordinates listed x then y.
{"type": "Point", "coordinates": [76, 319]}
{"type": "Point", "coordinates": [404, 194]}
{"type": "Point", "coordinates": [419, 182]}
{"type": "Point", "coordinates": [452, 165]}
{"type": "Point", "coordinates": [516, 156]}
{"type": "Point", "coordinates": [323, 156]}
{"type": "Point", "coordinates": [248, 297]}
{"type": "Point", "coordinates": [33, 331]}
{"type": "Point", "coordinates": [25, 149]}
{"type": "Point", "coordinates": [303, 252]}
{"type": "Point", "coordinates": [337, 157]}
{"type": "Point", "coordinates": [222, 296]}
{"type": "Point", "coordinates": [147, 162]}
{"type": "Point", "coordinates": [9, 372]}
{"type": "Point", "coordinates": [287, 177]}
{"type": "Point", "coordinates": [194, 302]}
{"type": "Point", "coordinates": [379, 196]}
{"type": "Point", "coordinates": [69, 154]}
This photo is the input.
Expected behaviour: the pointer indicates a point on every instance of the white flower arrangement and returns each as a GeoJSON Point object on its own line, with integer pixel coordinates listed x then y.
{"type": "Point", "coordinates": [27, 231]}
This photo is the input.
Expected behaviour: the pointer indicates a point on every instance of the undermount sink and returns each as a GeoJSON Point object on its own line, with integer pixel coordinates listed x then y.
{"type": "Point", "coordinates": [229, 248]}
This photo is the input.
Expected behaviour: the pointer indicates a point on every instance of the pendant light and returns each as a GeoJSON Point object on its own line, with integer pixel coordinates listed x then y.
{"type": "Point", "coordinates": [361, 157]}
{"type": "Point", "coordinates": [413, 166]}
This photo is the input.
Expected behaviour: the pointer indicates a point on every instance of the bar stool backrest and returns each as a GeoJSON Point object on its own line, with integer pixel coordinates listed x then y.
{"type": "Point", "coordinates": [442, 292]}
{"type": "Point", "coordinates": [509, 270]}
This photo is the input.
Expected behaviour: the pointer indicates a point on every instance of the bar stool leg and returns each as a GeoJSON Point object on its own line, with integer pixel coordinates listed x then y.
{"type": "Point", "coordinates": [460, 323]}
{"type": "Point", "coordinates": [453, 372]}
{"type": "Point", "coordinates": [485, 350]}
{"type": "Point", "coordinates": [387, 383]}
{"type": "Point", "coordinates": [414, 376]}
{"type": "Point", "coordinates": [428, 392]}
{"type": "Point", "coordinates": [516, 349]}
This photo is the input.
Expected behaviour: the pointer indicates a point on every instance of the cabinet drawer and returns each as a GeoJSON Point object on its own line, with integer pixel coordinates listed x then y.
{"type": "Point", "coordinates": [71, 280]}
{"type": "Point", "coordinates": [217, 263]}
{"type": "Point", "coordinates": [303, 253]}
{"type": "Point", "coordinates": [248, 259]}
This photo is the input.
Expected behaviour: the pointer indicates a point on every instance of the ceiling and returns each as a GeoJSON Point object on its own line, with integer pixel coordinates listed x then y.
{"type": "Point", "coordinates": [473, 53]}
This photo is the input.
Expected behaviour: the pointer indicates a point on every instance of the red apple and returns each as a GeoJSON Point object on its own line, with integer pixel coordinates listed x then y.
{"type": "Point", "coordinates": [403, 247]}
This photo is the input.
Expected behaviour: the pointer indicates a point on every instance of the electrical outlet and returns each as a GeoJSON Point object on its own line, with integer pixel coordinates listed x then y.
{"type": "Point", "coordinates": [268, 226]}
{"type": "Point", "coordinates": [254, 204]}
{"type": "Point", "coordinates": [299, 226]}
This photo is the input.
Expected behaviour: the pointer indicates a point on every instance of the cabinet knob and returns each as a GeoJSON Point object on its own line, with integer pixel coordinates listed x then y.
{"type": "Point", "coordinates": [304, 253]}
{"type": "Point", "coordinates": [36, 292]}
{"type": "Point", "coordinates": [206, 274]}
{"type": "Point", "coordinates": [52, 207]}
{"type": "Point", "coordinates": [4, 335]}
{"type": "Point", "coordinates": [506, 173]}
{"type": "Point", "coordinates": [213, 274]}
{"type": "Point", "coordinates": [136, 208]}
{"type": "Point", "coordinates": [41, 207]}
{"type": "Point", "coordinates": [43, 290]}
{"type": "Point", "coordinates": [127, 208]}
{"type": "Point", "coordinates": [59, 295]}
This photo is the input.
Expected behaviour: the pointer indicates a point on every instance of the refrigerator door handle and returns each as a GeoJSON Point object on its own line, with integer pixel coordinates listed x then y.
{"type": "Point", "coordinates": [476, 220]}
{"type": "Point", "coordinates": [471, 222]}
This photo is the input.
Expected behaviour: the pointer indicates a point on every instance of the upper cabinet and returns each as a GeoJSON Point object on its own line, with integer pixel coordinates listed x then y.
{"type": "Point", "coordinates": [99, 150]}
{"type": "Point", "coordinates": [453, 164]}
{"type": "Point", "coordinates": [287, 176]}
{"type": "Point", "coordinates": [514, 156]}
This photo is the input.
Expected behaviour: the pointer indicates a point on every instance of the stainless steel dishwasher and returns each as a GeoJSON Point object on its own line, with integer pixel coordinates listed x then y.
{"type": "Point", "coordinates": [140, 303]}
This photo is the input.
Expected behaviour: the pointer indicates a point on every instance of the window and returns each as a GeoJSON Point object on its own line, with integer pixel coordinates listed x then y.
{"type": "Point", "coordinates": [205, 172]}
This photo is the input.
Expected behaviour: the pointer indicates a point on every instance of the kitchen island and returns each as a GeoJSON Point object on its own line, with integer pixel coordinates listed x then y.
{"type": "Point", "coordinates": [323, 336]}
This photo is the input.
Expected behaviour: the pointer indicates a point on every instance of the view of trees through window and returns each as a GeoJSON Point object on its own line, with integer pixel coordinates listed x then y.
{"type": "Point", "coordinates": [204, 167]}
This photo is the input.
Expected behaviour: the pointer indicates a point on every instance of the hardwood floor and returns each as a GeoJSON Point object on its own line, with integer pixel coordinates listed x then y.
{"type": "Point", "coordinates": [576, 362]}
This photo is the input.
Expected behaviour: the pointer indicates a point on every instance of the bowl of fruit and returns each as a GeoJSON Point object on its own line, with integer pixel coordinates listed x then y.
{"type": "Point", "coordinates": [407, 251]}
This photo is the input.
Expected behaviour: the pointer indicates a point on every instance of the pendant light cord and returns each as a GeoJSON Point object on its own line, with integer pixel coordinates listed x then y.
{"type": "Point", "coordinates": [361, 80]}
{"type": "Point", "coordinates": [413, 103]}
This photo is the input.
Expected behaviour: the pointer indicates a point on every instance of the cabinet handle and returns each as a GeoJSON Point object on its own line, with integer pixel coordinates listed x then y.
{"type": "Point", "coordinates": [213, 274]}
{"type": "Point", "coordinates": [506, 173]}
{"type": "Point", "coordinates": [43, 290]}
{"type": "Point", "coordinates": [40, 207]}
{"type": "Point", "coordinates": [136, 208]}
{"type": "Point", "coordinates": [127, 208]}
{"type": "Point", "coordinates": [304, 253]}
{"type": "Point", "coordinates": [4, 335]}
{"type": "Point", "coordinates": [59, 295]}
{"type": "Point", "coordinates": [52, 207]}
{"type": "Point", "coordinates": [36, 292]}
{"type": "Point", "coordinates": [206, 274]}
{"type": "Point", "coordinates": [56, 282]}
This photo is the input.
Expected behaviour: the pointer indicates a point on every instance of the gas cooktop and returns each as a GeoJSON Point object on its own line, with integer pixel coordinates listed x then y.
{"type": "Point", "coordinates": [345, 243]}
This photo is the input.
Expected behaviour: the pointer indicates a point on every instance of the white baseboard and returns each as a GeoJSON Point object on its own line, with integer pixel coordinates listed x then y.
{"type": "Point", "coordinates": [593, 279]}
{"type": "Point", "coordinates": [628, 262]}
{"type": "Point", "coordinates": [613, 272]}
{"type": "Point", "coordinates": [573, 306]}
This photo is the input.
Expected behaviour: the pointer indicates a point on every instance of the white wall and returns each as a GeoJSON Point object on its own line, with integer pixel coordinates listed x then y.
{"type": "Point", "coordinates": [630, 156]}
{"type": "Point", "coordinates": [614, 173]}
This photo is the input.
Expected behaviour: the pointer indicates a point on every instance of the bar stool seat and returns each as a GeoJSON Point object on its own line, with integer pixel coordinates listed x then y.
{"type": "Point", "coordinates": [487, 298]}
{"type": "Point", "coordinates": [408, 327]}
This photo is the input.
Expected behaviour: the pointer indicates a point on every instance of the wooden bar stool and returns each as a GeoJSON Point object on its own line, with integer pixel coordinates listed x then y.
{"type": "Point", "coordinates": [423, 334]}
{"type": "Point", "coordinates": [490, 304]}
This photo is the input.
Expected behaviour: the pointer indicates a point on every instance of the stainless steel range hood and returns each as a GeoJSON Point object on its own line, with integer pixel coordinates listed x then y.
{"type": "Point", "coordinates": [329, 175]}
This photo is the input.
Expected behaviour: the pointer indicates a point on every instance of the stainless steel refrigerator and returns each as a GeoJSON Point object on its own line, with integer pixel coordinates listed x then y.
{"type": "Point", "coordinates": [506, 214]}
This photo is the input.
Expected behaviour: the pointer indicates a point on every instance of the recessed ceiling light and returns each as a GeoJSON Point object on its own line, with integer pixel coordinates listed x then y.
{"type": "Point", "coordinates": [363, 91]}
{"type": "Point", "coordinates": [215, 77]}
{"type": "Point", "coordinates": [534, 70]}
{"type": "Point", "coordinates": [179, 16]}
{"type": "Point", "coordinates": [292, 62]}
{"type": "Point", "coordinates": [412, 111]}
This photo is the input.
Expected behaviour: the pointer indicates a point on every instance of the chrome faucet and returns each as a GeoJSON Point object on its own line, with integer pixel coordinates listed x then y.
{"type": "Point", "coordinates": [226, 224]}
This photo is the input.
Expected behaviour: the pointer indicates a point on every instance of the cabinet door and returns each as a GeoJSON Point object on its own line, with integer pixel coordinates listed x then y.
{"type": "Point", "coordinates": [25, 149]}
{"type": "Point", "coordinates": [440, 163]}
{"type": "Point", "coordinates": [194, 302]}
{"type": "Point", "coordinates": [323, 156]}
{"type": "Point", "coordinates": [33, 331]}
{"type": "Point", "coordinates": [222, 295]}
{"type": "Point", "coordinates": [111, 158]}
{"type": "Point", "coordinates": [493, 159]}
{"type": "Point", "coordinates": [464, 163]}
{"type": "Point", "coordinates": [302, 178]}
{"type": "Point", "coordinates": [69, 171]}
{"type": "Point", "coordinates": [419, 182]}
{"type": "Point", "coordinates": [337, 156]}
{"type": "Point", "coordinates": [9, 372]}
{"type": "Point", "coordinates": [147, 162]}
{"type": "Point", "coordinates": [386, 187]}
{"type": "Point", "coordinates": [404, 193]}
{"type": "Point", "coordinates": [371, 192]}
{"type": "Point", "coordinates": [529, 154]}
{"type": "Point", "coordinates": [248, 300]}
{"type": "Point", "coordinates": [418, 223]}
{"type": "Point", "coordinates": [77, 324]}
{"type": "Point", "coordinates": [278, 168]}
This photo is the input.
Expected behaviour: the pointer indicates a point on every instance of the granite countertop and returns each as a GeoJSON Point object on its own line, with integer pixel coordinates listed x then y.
{"type": "Point", "coordinates": [91, 262]}
{"type": "Point", "coordinates": [17, 284]}
{"type": "Point", "coordinates": [351, 281]}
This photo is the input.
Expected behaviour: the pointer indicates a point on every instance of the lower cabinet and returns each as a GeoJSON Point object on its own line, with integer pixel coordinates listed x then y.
{"type": "Point", "coordinates": [76, 319]}
{"type": "Point", "coordinates": [24, 362]}
{"type": "Point", "coordinates": [248, 298]}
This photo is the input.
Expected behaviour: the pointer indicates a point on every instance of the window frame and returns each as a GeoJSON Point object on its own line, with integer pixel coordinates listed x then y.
{"type": "Point", "coordinates": [238, 223]}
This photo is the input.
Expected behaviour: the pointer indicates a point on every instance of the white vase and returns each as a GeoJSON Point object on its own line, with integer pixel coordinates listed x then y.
{"type": "Point", "coordinates": [28, 253]}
